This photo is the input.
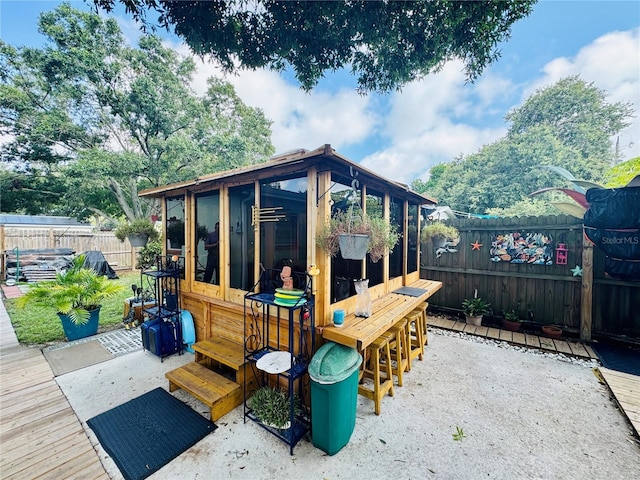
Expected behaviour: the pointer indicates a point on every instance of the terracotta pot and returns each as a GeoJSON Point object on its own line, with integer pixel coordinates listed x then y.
{"type": "Point", "coordinates": [474, 320]}
{"type": "Point", "coordinates": [511, 325]}
{"type": "Point", "coordinates": [551, 331]}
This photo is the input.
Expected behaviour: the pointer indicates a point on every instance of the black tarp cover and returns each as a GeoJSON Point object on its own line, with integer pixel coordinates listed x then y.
{"type": "Point", "coordinates": [612, 223]}
{"type": "Point", "coordinates": [95, 260]}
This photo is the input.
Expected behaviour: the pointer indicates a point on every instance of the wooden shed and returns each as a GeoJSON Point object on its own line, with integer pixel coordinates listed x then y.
{"type": "Point", "coordinates": [268, 216]}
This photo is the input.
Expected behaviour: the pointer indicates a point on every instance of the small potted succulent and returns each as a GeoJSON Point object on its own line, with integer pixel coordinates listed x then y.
{"type": "Point", "coordinates": [273, 408]}
{"type": "Point", "coordinates": [474, 309]}
{"type": "Point", "coordinates": [511, 321]}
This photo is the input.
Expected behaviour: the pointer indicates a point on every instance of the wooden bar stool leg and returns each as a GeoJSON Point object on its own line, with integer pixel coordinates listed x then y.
{"type": "Point", "coordinates": [399, 350]}
{"type": "Point", "coordinates": [381, 386]}
{"type": "Point", "coordinates": [423, 312]}
{"type": "Point", "coordinates": [416, 348]}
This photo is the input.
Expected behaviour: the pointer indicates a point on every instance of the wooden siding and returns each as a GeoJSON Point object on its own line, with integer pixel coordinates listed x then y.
{"type": "Point", "coordinates": [551, 292]}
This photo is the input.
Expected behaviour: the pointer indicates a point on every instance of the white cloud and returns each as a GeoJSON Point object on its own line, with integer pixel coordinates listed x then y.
{"type": "Point", "coordinates": [432, 120]}
{"type": "Point", "coordinates": [612, 63]}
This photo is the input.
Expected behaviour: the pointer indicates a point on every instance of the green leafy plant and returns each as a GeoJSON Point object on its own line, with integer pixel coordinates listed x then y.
{"type": "Point", "coordinates": [272, 406]}
{"type": "Point", "coordinates": [74, 292]}
{"type": "Point", "coordinates": [459, 435]}
{"type": "Point", "coordinates": [511, 316]}
{"type": "Point", "coordinates": [439, 229]}
{"type": "Point", "coordinates": [383, 236]}
{"type": "Point", "coordinates": [148, 255]}
{"type": "Point", "coordinates": [140, 226]}
{"type": "Point", "coordinates": [475, 307]}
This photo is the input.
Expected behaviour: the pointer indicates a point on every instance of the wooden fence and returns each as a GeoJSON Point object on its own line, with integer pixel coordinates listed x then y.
{"type": "Point", "coordinates": [118, 254]}
{"type": "Point", "coordinates": [543, 294]}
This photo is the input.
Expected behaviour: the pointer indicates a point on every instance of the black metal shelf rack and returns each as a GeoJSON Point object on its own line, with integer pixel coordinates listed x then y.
{"type": "Point", "coordinates": [298, 338]}
{"type": "Point", "coordinates": [164, 281]}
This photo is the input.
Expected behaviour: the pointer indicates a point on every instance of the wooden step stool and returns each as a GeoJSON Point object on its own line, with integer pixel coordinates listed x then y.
{"type": "Point", "coordinates": [220, 394]}
{"type": "Point", "coordinates": [374, 353]}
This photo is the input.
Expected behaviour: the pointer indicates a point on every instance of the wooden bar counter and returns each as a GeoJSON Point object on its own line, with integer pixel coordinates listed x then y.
{"type": "Point", "coordinates": [359, 332]}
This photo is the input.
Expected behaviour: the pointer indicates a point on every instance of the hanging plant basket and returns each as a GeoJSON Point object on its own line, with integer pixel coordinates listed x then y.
{"type": "Point", "coordinates": [353, 246]}
{"type": "Point", "coordinates": [138, 240]}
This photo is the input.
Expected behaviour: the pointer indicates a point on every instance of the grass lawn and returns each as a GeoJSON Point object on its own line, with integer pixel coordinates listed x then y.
{"type": "Point", "coordinates": [38, 325]}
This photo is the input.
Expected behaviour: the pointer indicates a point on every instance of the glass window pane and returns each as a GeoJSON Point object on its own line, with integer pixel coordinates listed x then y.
{"type": "Point", "coordinates": [207, 238]}
{"type": "Point", "coordinates": [241, 237]}
{"type": "Point", "coordinates": [412, 232]}
{"type": "Point", "coordinates": [343, 272]}
{"type": "Point", "coordinates": [375, 206]}
{"type": "Point", "coordinates": [396, 217]}
{"type": "Point", "coordinates": [284, 241]}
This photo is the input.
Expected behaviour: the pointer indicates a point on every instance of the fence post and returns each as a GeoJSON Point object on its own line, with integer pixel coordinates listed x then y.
{"type": "Point", "coordinates": [586, 301]}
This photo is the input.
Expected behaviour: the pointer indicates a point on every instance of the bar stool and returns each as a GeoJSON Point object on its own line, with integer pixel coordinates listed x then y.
{"type": "Point", "coordinates": [399, 348]}
{"type": "Point", "coordinates": [416, 342]}
{"type": "Point", "coordinates": [422, 308]}
{"type": "Point", "coordinates": [374, 354]}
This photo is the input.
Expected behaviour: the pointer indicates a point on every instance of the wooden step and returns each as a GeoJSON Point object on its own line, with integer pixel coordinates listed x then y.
{"type": "Point", "coordinates": [219, 393]}
{"type": "Point", "coordinates": [221, 350]}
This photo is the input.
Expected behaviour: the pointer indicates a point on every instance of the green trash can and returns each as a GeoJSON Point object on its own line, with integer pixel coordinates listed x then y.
{"type": "Point", "coordinates": [334, 393]}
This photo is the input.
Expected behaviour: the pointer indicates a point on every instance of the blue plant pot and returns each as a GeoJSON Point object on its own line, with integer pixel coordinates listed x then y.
{"type": "Point", "coordinates": [76, 331]}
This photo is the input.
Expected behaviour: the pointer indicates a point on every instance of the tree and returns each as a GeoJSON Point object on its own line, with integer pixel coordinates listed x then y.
{"type": "Point", "coordinates": [385, 43]}
{"type": "Point", "coordinates": [568, 124]}
{"type": "Point", "coordinates": [105, 119]}
{"type": "Point", "coordinates": [579, 115]}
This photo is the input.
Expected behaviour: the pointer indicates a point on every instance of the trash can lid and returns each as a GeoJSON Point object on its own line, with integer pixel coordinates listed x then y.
{"type": "Point", "coordinates": [333, 363]}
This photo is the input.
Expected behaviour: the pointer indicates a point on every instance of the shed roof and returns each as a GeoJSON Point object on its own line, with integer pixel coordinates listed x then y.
{"type": "Point", "coordinates": [300, 157]}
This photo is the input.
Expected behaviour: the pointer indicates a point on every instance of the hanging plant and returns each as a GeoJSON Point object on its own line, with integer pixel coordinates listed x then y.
{"type": "Point", "coordinates": [381, 236]}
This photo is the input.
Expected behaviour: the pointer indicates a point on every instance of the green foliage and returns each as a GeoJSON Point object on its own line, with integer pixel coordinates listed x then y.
{"type": "Point", "coordinates": [568, 124]}
{"type": "Point", "coordinates": [40, 324]}
{"type": "Point", "coordinates": [92, 120]}
{"type": "Point", "coordinates": [74, 292]}
{"type": "Point", "coordinates": [439, 229]}
{"type": "Point", "coordinates": [272, 406]}
{"type": "Point", "coordinates": [383, 236]}
{"type": "Point", "coordinates": [459, 435]}
{"type": "Point", "coordinates": [475, 306]}
{"type": "Point", "coordinates": [139, 226]}
{"type": "Point", "coordinates": [148, 255]}
{"type": "Point", "coordinates": [512, 316]}
{"type": "Point", "coordinates": [386, 44]}
{"type": "Point", "coordinates": [622, 174]}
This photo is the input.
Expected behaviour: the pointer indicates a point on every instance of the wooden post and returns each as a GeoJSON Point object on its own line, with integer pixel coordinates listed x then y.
{"type": "Point", "coordinates": [586, 302]}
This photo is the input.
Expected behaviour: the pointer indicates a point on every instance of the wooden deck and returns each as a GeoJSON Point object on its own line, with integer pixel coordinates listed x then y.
{"type": "Point", "coordinates": [574, 349]}
{"type": "Point", "coordinates": [40, 435]}
{"type": "Point", "coordinates": [626, 390]}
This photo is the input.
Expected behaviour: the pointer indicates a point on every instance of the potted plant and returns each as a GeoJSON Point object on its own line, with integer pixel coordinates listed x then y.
{"type": "Point", "coordinates": [439, 233]}
{"type": "Point", "coordinates": [511, 321]}
{"type": "Point", "coordinates": [76, 294]}
{"type": "Point", "coordinates": [272, 407]}
{"type": "Point", "coordinates": [474, 309]}
{"type": "Point", "coordinates": [552, 331]}
{"type": "Point", "coordinates": [354, 235]}
{"type": "Point", "coordinates": [139, 231]}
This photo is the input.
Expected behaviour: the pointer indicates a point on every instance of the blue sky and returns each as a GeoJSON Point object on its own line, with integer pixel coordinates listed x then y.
{"type": "Point", "coordinates": [402, 135]}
